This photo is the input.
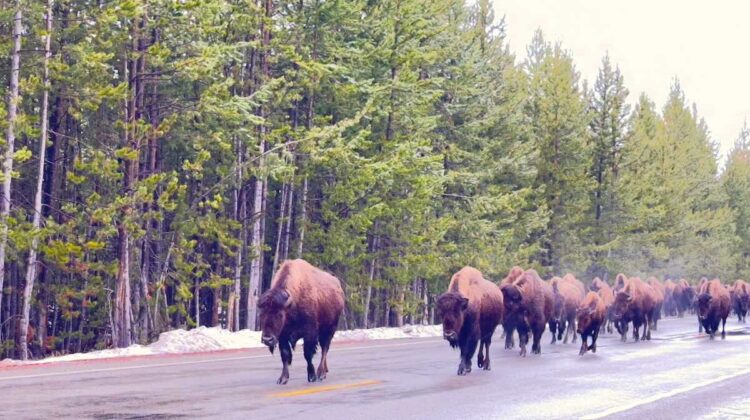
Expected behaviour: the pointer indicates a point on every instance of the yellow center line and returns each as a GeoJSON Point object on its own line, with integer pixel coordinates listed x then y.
{"type": "Point", "coordinates": [324, 388]}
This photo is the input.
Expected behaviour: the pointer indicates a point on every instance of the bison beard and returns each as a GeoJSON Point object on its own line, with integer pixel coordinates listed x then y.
{"type": "Point", "coordinates": [303, 302]}
{"type": "Point", "coordinates": [471, 309]}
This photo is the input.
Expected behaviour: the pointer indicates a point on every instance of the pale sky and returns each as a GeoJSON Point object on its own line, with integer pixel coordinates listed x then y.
{"type": "Point", "coordinates": [705, 44]}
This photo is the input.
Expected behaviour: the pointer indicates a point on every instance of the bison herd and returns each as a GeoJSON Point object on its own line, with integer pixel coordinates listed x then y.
{"type": "Point", "coordinates": [306, 302]}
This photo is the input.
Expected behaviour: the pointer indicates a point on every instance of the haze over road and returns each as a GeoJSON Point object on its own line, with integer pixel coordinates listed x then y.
{"type": "Point", "coordinates": [679, 374]}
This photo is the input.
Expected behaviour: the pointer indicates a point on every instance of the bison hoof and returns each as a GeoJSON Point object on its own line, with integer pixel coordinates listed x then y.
{"type": "Point", "coordinates": [522, 353]}
{"type": "Point", "coordinates": [480, 362]}
{"type": "Point", "coordinates": [593, 348]}
{"type": "Point", "coordinates": [582, 352]}
{"type": "Point", "coordinates": [312, 378]}
{"type": "Point", "coordinates": [486, 366]}
{"type": "Point", "coordinates": [283, 379]}
{"type": "Point", "coordinates": [461, 370]}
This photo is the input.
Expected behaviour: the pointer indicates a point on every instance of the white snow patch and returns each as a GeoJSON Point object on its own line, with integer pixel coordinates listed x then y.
{"type": "Point", "coordinates": [203, 339]}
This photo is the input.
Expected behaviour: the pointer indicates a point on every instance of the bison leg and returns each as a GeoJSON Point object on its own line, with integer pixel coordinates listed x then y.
{"type": "Point", "coordinates": [480, 355]}
{"type": "Point", "coordinates": [285, 349]}
{"type": "Point", "coordinates": [560, 329]}
{"type": "Point", "coordinates": [487, 343]}
{"type": "Point", "coordinates": [584, 347]}
{"type": "Point", "coordinates": [723, 328]}
{"type": "Point", "coordinates": [325, 344]}
{"type": "Point", "coordinates": [508, 332]}
{"type": "Point", "coordinates": [636, 328]}
{"type": "Point", "coordinates": [571, 331]}
{"type": "Point", "coordinates": [309, 348]}
{"type": "Point", "coordinates": [553, 330]}
{"type": "Point", "coordinates": [467, 352]}
{"type": "Point", "coordinates": [523, 339]}
{"type": "Point", "coordinates": [594, 336]}
{"type": "Point", "coordinates": [536, 346]}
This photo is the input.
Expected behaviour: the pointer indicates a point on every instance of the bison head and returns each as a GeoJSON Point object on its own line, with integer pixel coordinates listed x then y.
{"type": "Point", "coordinates": [512, 299]}
{"type": "Point", "coordinates": [703, 305]}
{"type": "Point", "coordinates": [273, 306]}
{"type": "Point", "coordinates": [621, 305]}
{"type": "Point", "coordinates": [451, 308]}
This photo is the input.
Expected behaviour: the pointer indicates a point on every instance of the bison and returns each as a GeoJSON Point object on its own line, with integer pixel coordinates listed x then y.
{"type": "Point", "coordinates": [713, 306]}
{"type": "Point", "coordinates": [471, 309]}
{"type": "Point", "coordinates": [513, 274]}
{"type": "Point", "coordinates": [635, 302]}
{"type": "Point", "coordinates": [659, 291]}
{"type": "Point", "coordinates": [590, 316]}
{"type": "Point", "coordinates": [528, 306]}
{"type": "Point", "coordinates": [608, 298]}
{"type": "Point", "coordinates": [683, 297]}
{"type": "Point", "coordinates": [567, 293]}
{"type": "Point", "coordinates": [670, 306]}
{"type": "Point", "coordinates": [303, 302]}
{"type": "Point", "coordinates": [740, 294]}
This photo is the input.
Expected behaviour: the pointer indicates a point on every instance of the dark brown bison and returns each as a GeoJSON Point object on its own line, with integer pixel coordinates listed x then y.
{"type": "Point", "coordinates": [471, 309]}
{"type": "Point", "coordinates": [590, 316]}
{"type": "Point", "coordinates": [670, 307]}
{"type": "Point", "coordinates": [528, 307]}
{"type": "Point", "coordinates": [303, 302]}
{"type": "Point", "coordinates": [683, 297]}
{"type": "Point", "coordinates": [567, 293]}
{"type": "Point", "coordinates": [740, 294]}
{"type": "Point", "coordinates": [713, 307]}
{"type": "Point", "coordinates": [659, 295]}
{"type": "Point", "coordinates": [513, 274]}
{"type": "Point", "coordinates": [608, 298]}
{"type": "Point", "coordinates": [635, 302]}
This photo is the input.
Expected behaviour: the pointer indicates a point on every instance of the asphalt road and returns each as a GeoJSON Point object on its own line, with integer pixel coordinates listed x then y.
{"type": "Point", "coordinates": [679, 374]}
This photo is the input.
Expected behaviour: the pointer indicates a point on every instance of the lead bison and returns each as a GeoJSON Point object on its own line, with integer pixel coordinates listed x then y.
{"type": "Point", "coordinates": [528, 307]}
{"type": "Point", "coordinates": [713, 307]}
{"type": "Point", "coordinates": [303, 302]}
{"type": "Point", "coordinates": [567, 294]}
{"type": "Point", "coordinates": [471, 309]}
{"type": "Point", "coordinates": [740, 294]}
{"type": "Point", "coordinates": [635, 302]}
{"type": "Point", "coordinates": [590, 316]}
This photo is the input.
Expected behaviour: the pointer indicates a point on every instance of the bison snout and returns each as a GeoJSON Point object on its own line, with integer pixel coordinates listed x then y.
{"type": "Point", "coordinates": [268, 341]}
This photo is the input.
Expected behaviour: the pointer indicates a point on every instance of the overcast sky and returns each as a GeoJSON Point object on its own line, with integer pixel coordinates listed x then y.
{"type": "Point", "coordinates": [706, 45]}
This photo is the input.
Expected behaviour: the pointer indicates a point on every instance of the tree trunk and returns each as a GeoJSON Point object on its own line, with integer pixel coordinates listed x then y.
{"type": "Point", "coordinates": [303, 220]}
{"type": "Point", "coordinates": [37, 218]}
{"type": "Point", "coordinates": [373, 263]}
{"type": "Point", "coordinates": [285, 188]}
{"type": "Point", "coordinates": [256, 244]}
{"type": "Point", "coordinates": [13, 99]}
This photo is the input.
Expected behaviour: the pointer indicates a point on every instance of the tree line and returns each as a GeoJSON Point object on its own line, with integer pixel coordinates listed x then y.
{"type": "Point", "coordinates": [161, 158]}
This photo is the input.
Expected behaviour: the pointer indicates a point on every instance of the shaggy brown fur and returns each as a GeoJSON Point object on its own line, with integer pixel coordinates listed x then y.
{"type": "Point", "coordinates": [303, 302]}
{"type": "Point", "coordinates": [658, 288]}
{"type": "Point", "coordinates": [471, 309]}
{"type": "Point", "coordinates": [513, 274]}
{"type": "Point", "coordinates": [567, 293]}
{"type": "Point", "coordinates": [528, 307]}
{"type": "Point", "coordinates": [670, 307]}
{"type": "Point", "coordinates": [590, 316]}
{"type": "Point", "coordinates": [608, 298]}
{"type": "Point", "coordinates": [635, 302]}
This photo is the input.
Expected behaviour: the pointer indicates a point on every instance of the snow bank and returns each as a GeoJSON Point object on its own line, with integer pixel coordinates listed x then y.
{"type": "Point", "coordinates": [204, 339]}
